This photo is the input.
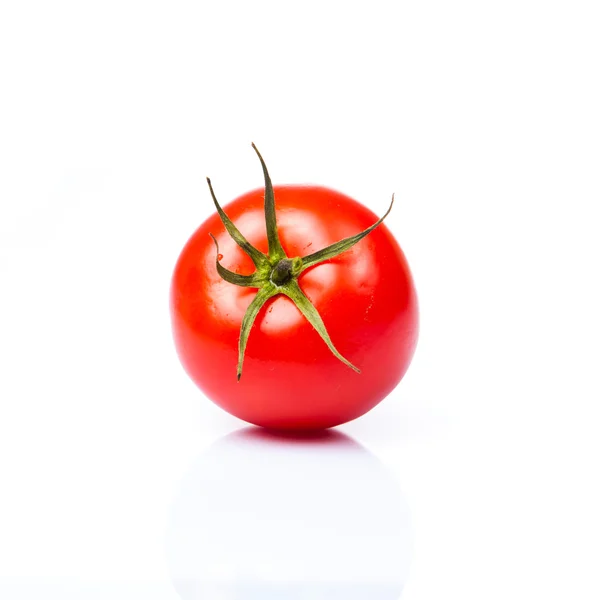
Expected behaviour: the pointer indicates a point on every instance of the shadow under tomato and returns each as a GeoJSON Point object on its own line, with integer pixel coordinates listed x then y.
{"type": "Point", "coordinates": [264, 514]}
{"type": "Point", "coordinates": [323, 437]}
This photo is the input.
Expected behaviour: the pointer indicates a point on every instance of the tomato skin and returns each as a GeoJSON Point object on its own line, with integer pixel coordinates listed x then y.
{"type": "Point", "coordinates": [291, 380]}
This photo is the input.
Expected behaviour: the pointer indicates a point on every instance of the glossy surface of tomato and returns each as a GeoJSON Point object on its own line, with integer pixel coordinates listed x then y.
{"type": "Point", "coordinates": [291, 380]}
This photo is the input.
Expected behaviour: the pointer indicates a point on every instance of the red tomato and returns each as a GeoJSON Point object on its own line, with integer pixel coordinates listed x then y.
{"type": "Point", "coordinates": [291, 379]}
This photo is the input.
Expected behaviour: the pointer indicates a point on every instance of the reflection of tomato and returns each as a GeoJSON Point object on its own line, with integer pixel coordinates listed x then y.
{"type": "Point", "coordinates": [279, 517]}
{"type": "Point", "coordinates": [291, 379]}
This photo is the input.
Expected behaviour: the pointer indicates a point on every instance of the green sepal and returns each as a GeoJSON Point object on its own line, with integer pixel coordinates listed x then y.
{"type": "Point", "coordinates": [258, 258]}
{"type": "Point", "coordinates": [293, 291]}
{"type": "Point", "coordinates": [264, 293]}
{"type": "Point", "coordinates": [341, 246]}
{"type": "Point", "coordinates": [276, 252]}
{"type": "Point", "coordinates": [254, 280]}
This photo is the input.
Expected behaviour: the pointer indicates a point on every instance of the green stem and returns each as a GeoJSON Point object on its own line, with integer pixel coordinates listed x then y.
{"type": "Point", "coordinates": [285, 270]}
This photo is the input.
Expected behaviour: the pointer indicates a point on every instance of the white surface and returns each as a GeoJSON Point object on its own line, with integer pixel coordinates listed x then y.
{"type": "Point", "coordinates": [482, 117]}
{"type": "Point", "coordinates": [316, 519]}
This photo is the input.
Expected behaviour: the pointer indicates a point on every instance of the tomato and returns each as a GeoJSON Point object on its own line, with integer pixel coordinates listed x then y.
{"type": "Point", "coordinates": [293, 378]}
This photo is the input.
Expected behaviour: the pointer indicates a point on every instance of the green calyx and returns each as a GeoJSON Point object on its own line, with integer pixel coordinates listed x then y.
{"type": "Point", "coordinates": [276, 273]}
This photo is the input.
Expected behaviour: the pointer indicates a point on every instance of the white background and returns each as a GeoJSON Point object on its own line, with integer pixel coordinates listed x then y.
{"type": "Point", "coordinates": [482, 117]}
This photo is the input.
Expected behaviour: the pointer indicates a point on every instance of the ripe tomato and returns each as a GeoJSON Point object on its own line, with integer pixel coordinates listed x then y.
{"type": "Point", "coordinates": [291, 378]}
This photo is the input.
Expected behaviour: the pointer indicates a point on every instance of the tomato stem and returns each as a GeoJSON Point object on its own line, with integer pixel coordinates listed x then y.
{"type": "Point", "coordinates": [276, 273]}
{"type": "Point", "coordinates": [285, 270]}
